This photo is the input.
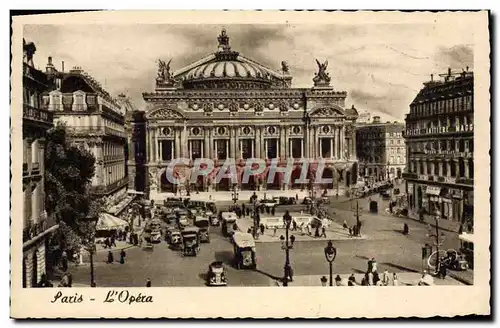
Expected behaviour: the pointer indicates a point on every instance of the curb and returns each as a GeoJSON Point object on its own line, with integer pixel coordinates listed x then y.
{"type": "Point", "coordinates": [462, 280]}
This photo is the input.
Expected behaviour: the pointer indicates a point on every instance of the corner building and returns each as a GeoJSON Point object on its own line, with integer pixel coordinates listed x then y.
{"type": "Point", "coordinates": [440, 148]}
{"type": "Point", "coordinates": [228, 106]}
{"type": "Point", "coordinates": [95, 121]}
{"type": "Point", "coordinates": [37, 226]}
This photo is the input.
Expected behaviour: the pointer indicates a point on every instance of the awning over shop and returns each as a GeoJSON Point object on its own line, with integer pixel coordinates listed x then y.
{"type": "Point", "coordinates": [110, 222]}
{"type": "Point", "coordinates": [432, 190]}
{"type": "Point", "coordinates": [467, 237]}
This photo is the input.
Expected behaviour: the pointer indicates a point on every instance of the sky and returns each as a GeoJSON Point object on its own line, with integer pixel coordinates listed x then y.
{"type": "Point", "coordinates": [381, 66]}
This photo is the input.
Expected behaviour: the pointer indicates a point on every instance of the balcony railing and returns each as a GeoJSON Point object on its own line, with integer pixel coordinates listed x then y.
{"type": "Point", "coordinates": [35, 229]}
{"type": "Point", "coordinates": [465, 181]}
{"type": "Point", "coordinates": [37, 114]}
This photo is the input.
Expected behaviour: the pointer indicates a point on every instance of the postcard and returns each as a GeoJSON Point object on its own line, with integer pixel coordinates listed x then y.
{"type": "Point", "coordinates": [245, 164]}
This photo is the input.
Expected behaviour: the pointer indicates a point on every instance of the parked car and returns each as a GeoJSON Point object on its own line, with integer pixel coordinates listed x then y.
{"type": "Point", "coordinates": [307, 201]}
{"type": "Point", "coordinates": [216, 275]}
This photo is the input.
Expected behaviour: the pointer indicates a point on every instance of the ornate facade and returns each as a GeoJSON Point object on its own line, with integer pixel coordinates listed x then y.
{"type": "Point", "coordinates": [37, 227]}
{"type": "Point", "coordinates": [96, 122]}
{"type": "Point", "coordinates": [228, 106]}
{"type": "Point", "coordinates": [440, 148]}
{"type": "Point", "coordinates": [381, 150]}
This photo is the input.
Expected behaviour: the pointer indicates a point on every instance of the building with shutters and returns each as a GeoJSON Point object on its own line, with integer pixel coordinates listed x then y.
{"type": "Point", "coordinates": [37, 227]}
{"type": "Point", "coordinates": [440, 148]}
{"type": "Point", "coordinates": [226, 105]}
{"type": "Point", "coordinates": [381, 150]}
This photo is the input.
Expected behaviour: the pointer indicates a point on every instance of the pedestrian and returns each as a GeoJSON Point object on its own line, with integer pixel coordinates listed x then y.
{"type": "Point", "coordinates": [296, 197]}
{"type": "Point", "coordinates": [64, 281]}
{"type": "Point", "coordinates": [323, 231]}
{"type": "Point", "coordinates": [243, 209]}
{"type": "Point", "coordinates": [122, 257]}
{"type": "Point", "coordinates": [316, 232]}
{"type": "Point", "coordinates": [350, 232]}
{"type": "Point", "coordinates": [262, 229]}
{"type": "Point", "coordinates": [148, 282]}
{"type": "Point", "coordinates": [338, 281]}
{"type": "Point", "coordinates": [113, 241]}
{"type": "Point", "coordinates": [385, 278]}
{"type": "Point", "coordinates": [249, 230]}
{"type": "Point", "coordinates": [406, 229]}
{"type": "Point", "coordinates": [110, 258]}
{"type": "Point", "coordinates": [395, 280]}
{"type": "Point", "coordinates": [370, 265]}
{"type": "Point", "coordinates": [294, 225]}
{"type": "Point", "coordinates": [70, 280]}
{"type": "Point", "coordinates": [344, 225]}
{"type": "Point", "coordinates": [275, 230]}
{"type": "Point", "coordinates": [352, 279]}
{"type": "Point", "coordinates": [64, 259]}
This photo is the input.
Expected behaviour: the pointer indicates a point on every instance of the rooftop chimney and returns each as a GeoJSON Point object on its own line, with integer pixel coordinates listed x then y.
{"type": "Point", "coordinates": [467, 68]}
{"type": "Point", "coordinates": [432, 77]}
{"type": "Point", "coordinates": [449, 71]}
{"type": "Point", "coordinates": [376, 119]}
{"type": "Point", "coordinates": [62, 66]}
{"type": "Point", "coordinates": [50, 67]}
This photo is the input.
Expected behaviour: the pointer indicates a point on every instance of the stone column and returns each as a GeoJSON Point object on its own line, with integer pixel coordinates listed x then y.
{"type": "Point", "coordinates": [342, 142]}
{"type": "Point", "coordinates": [148, 145]}
{"type": "Point", "coordinates": [210, 154]}
{"type": "Point", "coordinates": [265, 149]}
{"type": "Point", "coordinates": [258, 145]}
{"type": "Point", "coordinates": [457, 168]}
{"type": "Point", "coordinates": [177, 142]}
{"type": "Point", "coordinates": [302, 147]}
{"type": "Point", "coordinates": [312, 142]}
{"type": "Point", "coordinates": [466, 168]}
{"type": "Point", "coordinates": [282, 143]}
{"type": "Point", "coordinates": [154, 145]}
{"type": "Point", "coordinates": [237, 144]}
{"type": "Point", "coordinates": [448, 168]}
{"type": "Point", "coordinates": [331, 148]}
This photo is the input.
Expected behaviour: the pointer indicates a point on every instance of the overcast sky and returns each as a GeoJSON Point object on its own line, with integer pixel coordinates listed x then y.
{"type": "Point", "coordinates": [382, 67]}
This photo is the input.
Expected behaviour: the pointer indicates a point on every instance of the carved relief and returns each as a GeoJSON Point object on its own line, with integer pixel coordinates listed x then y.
{"type": "Point", "coordinates": [326, 112]}
{"type": "Point", "coordinates": [258, 107]}
{"type": "Point", "coordinates": [233, 107]}
{"type": "Point", "coordinates": [208, 107]}
{"type": "Point", "coordinates": [165, 113]}
{"type": "Point", "coordinates": [283, 106]}
{"type": "Point", "coordinates": [153, 178]}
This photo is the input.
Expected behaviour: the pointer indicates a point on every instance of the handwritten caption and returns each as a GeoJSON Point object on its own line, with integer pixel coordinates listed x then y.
{"type": "Point", "coordinates": [123, 296]}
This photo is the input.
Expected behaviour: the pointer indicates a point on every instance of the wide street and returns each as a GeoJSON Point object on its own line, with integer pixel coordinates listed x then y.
{"type": "Point", "coordinates": [165, 267]}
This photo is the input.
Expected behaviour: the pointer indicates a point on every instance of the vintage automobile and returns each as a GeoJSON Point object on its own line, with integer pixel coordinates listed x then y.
{"type": "Point", "coordinates": [203, 224]}
{"type": "Point", "coordinates": [175, 239]}
{"type": "Point", "coordinates": [456, 261]}
{"type": "Point", "coordinates": [228, 222]}
{"type": "Point", "coordinates": [269, 202]}
{"type": "Point", "coordinates": [190, 241]}
{"type": "Point", "coordinates": [216, 275]}
{"type": "Point", "coordinates": [467, 248]}
{"type": "Point", "coordinates": [307, 201]}
{"type": "Point", "coordinates": [325, 200]}
{"type": "Point", "coordinates": [155, 236]}
{"type": "Point", "coordinates": [244, 251]}
{"type": "Point", "coordinates": [287, 200]}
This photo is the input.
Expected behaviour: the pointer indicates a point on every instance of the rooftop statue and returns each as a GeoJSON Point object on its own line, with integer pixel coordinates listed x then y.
{"type": "Point", "coordinates": [285, 68]}
{"type": "Point", "coordinates": [322, 77]}
{"type": "Point", "coordinates": [164, 73]}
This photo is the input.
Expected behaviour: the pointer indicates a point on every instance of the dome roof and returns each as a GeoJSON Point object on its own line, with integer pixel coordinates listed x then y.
{"type": "Point", "coordinates": [227, 69]}
{"type": "Point", "coordinates": [230, 68]}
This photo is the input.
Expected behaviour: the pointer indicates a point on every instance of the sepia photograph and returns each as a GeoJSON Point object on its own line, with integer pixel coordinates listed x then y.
{"type": "Point", "coordinates": [319, 150]}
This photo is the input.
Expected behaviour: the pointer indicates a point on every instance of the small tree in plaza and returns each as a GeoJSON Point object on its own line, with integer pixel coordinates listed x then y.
{"type": "Point", "coordinates": [68, 174]}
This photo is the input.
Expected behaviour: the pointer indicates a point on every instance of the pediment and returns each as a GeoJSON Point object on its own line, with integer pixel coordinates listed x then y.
{"type": "Point", "coordinates": [165, 114]}
{"type": "Point", "coordinates": [327, 112]}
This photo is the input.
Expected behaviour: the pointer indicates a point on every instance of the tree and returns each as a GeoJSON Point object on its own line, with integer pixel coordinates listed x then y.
{"type": "Point", "coordinates": [68, 174]}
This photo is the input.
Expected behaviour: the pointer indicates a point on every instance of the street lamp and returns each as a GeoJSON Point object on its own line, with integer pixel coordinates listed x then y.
{"type": "Point", "coordinates": [235, 194]}
{"type": "Point", "coordinates": [437, 217]}
{"type": "Point", "coordinates": [330, 255]}
{"type": "Point", "coordinates": [287, 218]}
{"type": "Point", "coordinates": [255, 218]}
{"type": "Point", "coordinates": [91, 247]}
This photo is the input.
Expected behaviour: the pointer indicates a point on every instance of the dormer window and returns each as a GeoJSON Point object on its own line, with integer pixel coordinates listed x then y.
{"type": "Point", "coordinates": [79, 101]}
{"type": "Point", "coordinates": [55, 101]}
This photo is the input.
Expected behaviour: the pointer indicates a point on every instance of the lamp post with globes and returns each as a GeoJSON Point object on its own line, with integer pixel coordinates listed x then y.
{"type": "Point", "coordinates": [330, 255]}
{"type": "Point", "coordinates": [287, 245]}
